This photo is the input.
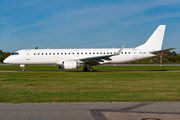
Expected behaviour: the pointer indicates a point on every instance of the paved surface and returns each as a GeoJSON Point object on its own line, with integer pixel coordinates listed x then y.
{"type": "Point", "coordinates": [2, 71]}
{"type": "Point", "coordinates": [91, 111]}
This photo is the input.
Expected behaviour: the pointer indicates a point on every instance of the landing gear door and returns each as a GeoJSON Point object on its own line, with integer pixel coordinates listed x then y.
{"type": "Point", "coordinates": [28, 54]}
{"type": "Point", "coordinates": [134, 53]}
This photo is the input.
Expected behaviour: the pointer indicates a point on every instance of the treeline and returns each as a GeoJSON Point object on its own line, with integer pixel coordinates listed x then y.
{"type": "Point", "coordinates": [167, 58]}
{"type": "Point", "coordinates": [4, 55]}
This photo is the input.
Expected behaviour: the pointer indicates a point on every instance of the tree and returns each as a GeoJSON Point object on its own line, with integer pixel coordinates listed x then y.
{"type": "Point", "coordinates": [172, 59]}
{"type": "Point", "coordinates": [1, 52]}
{"type": "Point", "coordinates": [1, 58]}
{"type": "Point", "coordinates": [174, 53]}
{"type": "Point", "coordinates": [178, 58]}
{"type": "Point", "coordinates": [36, 47]}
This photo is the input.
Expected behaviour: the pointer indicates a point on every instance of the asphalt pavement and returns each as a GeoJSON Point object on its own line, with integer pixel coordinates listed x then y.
{"type": "Point", "coordinates": [91, 111]}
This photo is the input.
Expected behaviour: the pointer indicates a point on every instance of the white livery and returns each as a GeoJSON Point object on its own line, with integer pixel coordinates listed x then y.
{"type": "Point", "coordinates": [75, 58]}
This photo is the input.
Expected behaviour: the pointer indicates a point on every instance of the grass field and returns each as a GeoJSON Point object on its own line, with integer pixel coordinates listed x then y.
{"type": "Point", "coordinates": [29, 87]}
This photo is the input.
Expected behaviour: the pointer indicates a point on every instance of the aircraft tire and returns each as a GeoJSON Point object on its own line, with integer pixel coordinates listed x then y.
{"type": "Point", "coordinates": [90, 69]}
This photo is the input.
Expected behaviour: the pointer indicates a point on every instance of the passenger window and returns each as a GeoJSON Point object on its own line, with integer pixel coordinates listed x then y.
{"type": "Point", "coordinates": [53, 53]}
{"type": "Point", "coordinates": [97, 52]}
{"type": "Point", "coordinates": [81, 53]}
{"type": "Point", "coordinates": [57, 53]}
{"type": "Point", "coordinates": [107, 52]}
{"type": "Point", "coordinates": [125, 52]}
{"type": "Point", "coordinates": [49, 53]}
{"type": "Point", "coordinates": [38, 54]}
{"type": "Point", "coordinates": [65, 53]}
{"type": "Point", "coordinates": [46, 53]}
{"type": "Point", "coordinates": [89, 53]}
{"type": "Point", "coordinates": [93, 53]}
{"type": "Point", "coordinates": [73, 53]}
{"type": "Point", "coordinates": [34, 53]}
{"type": "Point", "coordinates": [121, 52]}
{"type": "Point", "coordinates": [61, 53]}
{"type": "Point", "coordinates": [86, 53]}
{"type": "Point", "coordinates": [69, 53]}
{"type": "Point", "coordinates": [100, 52]}
{"type": "Point", "coordinates": [42, 53]}
{"type": "Point", "coordinates": [129, 53]}
{"type": "Point", "coordinates": [104, 53]}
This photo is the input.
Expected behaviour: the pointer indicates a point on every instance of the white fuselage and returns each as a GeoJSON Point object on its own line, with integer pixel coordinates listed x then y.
{"type": "Point", "coordinates": [57, 56]}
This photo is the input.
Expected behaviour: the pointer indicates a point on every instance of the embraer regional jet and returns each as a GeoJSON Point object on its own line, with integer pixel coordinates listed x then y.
{"type": "Point", "coordinates": [75, 58]}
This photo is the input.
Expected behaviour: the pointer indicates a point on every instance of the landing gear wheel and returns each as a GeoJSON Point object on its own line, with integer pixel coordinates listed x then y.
{"type": "Point", "coordinates": [90, 69]}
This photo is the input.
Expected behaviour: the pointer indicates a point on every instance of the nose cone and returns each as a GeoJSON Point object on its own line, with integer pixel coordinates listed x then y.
{"type": "Point", "coordinates": [6, 60]}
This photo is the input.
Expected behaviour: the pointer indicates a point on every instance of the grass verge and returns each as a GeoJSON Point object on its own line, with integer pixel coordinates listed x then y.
{"type": "Point", "coordinates": [89, 87]}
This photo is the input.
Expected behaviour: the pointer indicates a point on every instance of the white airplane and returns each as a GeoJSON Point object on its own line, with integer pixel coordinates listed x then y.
{"type": "Point", "coordinates": [75, 58]}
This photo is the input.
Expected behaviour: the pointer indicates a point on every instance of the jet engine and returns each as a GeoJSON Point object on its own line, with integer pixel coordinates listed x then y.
{"type": "Point", "coordinates": [70, 65]}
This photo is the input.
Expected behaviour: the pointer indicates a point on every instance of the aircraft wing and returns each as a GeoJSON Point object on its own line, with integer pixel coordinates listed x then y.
{"type": "Point", "coordinates": [96, 59]}
{"type": "Point", "coordinates": [161, 51]}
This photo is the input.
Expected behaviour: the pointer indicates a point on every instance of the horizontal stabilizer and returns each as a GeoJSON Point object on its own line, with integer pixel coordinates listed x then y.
{"type": "Point", "coordinates": [161, 51]}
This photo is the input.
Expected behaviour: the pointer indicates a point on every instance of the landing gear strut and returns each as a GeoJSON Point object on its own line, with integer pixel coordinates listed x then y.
{"type": "Point", "coordinates": [23, 68]}
{"type": "Point", "coordinates": [90, 69]}
{"type": "Point", "coordinates": [85, 68]}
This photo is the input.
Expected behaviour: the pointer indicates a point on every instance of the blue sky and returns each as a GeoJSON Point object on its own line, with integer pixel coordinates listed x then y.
{"type": "Point", "coordinates": [25, 24]}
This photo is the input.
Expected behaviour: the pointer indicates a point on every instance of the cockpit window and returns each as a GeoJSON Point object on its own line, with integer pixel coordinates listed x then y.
{"type": "Point", "coordinates": [16, 53]}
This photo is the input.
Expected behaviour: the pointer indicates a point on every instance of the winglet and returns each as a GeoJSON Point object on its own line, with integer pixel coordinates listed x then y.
{"type": "Point", "coordinates": [119, 51]}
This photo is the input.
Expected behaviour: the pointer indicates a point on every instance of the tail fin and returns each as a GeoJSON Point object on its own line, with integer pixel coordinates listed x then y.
{"type": "Point", "coordinates": [156, 39]}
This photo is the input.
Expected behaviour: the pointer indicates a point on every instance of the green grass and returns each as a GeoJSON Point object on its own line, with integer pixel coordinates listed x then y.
{"type": "Point", "coordinates": [28, 87]}
{"type": "Point", "coordinates": [96, 68]}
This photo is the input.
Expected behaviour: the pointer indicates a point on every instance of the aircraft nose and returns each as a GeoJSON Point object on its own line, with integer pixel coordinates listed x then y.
{"type": "Point", "coordinates": [6, 60]}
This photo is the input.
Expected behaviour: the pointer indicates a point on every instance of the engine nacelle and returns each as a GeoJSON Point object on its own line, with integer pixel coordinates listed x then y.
{"type": "Point", "coordinates": [70, 65]}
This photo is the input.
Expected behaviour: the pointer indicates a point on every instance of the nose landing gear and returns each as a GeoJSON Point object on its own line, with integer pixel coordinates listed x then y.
{"type": "Point", "coordinates": [22, 68]}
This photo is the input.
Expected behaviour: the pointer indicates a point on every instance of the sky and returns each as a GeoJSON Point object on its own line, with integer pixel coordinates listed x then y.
{"type": "Point", "coordinates": [56, 24]}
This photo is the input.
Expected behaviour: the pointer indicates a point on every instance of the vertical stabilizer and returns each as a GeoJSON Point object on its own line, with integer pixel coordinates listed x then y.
{"type": "Point", "coordinates": [156, 39]}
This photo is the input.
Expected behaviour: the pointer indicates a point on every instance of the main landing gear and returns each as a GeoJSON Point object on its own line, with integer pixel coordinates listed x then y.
{"type": "Point", "coordinates": [90, 69]}
{"type": "Point", "coordinates": [23, 68]}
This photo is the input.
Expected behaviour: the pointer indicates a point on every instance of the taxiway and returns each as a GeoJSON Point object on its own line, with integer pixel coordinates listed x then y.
{"type": "Point", "coordinates": [91, 111]}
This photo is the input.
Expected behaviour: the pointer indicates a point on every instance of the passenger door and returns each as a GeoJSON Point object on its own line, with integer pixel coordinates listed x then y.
{"type": "Point", "coordinates": [134, 53]}
{"type": "Point", "coordinates": [28, 54]}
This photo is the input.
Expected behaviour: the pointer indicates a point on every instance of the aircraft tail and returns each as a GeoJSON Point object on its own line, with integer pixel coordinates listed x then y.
{"type": "Point", "coordinates": [156, 39]}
